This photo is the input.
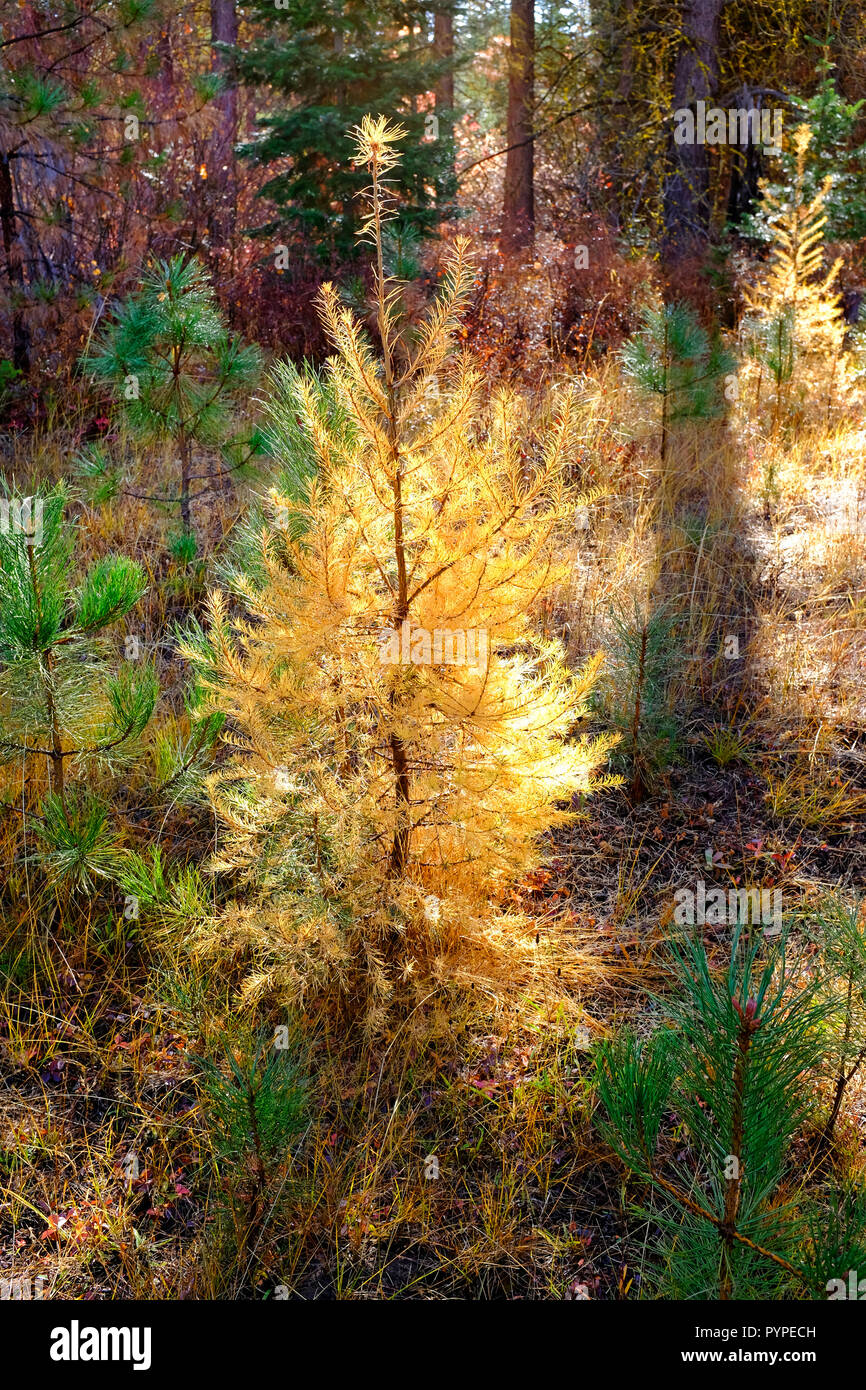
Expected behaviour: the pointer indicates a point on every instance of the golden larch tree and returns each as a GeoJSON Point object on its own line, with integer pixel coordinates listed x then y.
{"type": "Point", "coordinates": [795, 317]}
{"type": "Point", "coordinates": [404, 736]}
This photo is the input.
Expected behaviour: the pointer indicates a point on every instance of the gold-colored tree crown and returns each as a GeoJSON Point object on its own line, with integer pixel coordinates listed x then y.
{"type": "Point", "coordinates": [795, 279]}
{"type": "Point", "coordinates": [407, 787]}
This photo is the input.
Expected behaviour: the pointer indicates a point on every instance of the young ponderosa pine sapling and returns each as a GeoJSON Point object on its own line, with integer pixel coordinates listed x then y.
{"type": "Point", "coordinates": [634, 692]}
{"type": "Point", "coordinates": [62, 700]}
{"type": "Point", "coordinates": [404, 735]}
{"type": "Point", "coordinates": [730, 1069]}
{"type": "Point", "coordinates": [674, 358]}
{"type": "Point", "coordinates": [255, 1104]}
{"type": "Point", "coordinates": [179, 377]}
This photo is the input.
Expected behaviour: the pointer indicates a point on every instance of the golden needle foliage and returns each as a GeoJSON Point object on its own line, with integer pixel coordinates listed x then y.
{"type": "Point", "coordinates": [384, 796]}
{"type": "Point", "coordinates": [795, 307]}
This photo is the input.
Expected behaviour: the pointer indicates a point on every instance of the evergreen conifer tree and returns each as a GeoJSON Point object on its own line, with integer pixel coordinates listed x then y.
{"type": "Point", "coordinates": [179, 377]}
{"type": "Point", "coordinates": [255, 1104]}
{"type": "Point", "coordinates": [330, 61]}
{"type": "Point", "coordinates": [674, 358]}
{"type": "Point", "coordinates": [62, 699]}
{"type": "Point", "coordinates": [634, 691]}
{"type": "Point", "coordinates": [730, 1067]}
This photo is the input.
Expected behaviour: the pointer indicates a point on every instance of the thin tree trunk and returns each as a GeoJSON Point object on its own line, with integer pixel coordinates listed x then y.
{"type": "Point", "coordinates": [399, 756]}
{"type": "Point", "coordinates": [744, 190]}
{"type": "Point", "coordinates": [14, 271]}
{"type": "Point", "coordinates": [665, 396]}
{"type": "Point", "coordinates": [58, 780]}
{"type": "Point", "coordinates": [443, 47]}
{"type": "Point", "coordinates": [224, 29]}
{"type": "Point", "coordinates": [626, 76]}
{"type": "Point", "coordinates": [841, 1079]}
{"type": "Point", "coordinates": [443, 44]}
{"type": "Point", "coordinates": [638, 788]}
{"type": "Point", "coordinates": [56, 738]}
{"type": "Point", "coordinates": [185, 465]}
{"type": "Point", "coordinates": [518, 209]}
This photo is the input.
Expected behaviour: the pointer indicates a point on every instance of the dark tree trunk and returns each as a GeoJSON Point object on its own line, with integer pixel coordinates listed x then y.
{"type": "Point", "coordinates": [166, 58]}
{"type": "Point", "coordinates": [443, 47]}
{"type": "Point", "coordinates": [744, 187]}
{"type": "Point", "coordinates": [444, 52]}
{"type": "Point", "coordinates": [626, 72]}
{"type": "Point", "coordinates": [518, 209]}
{"type": "Point", "coordinates": [13, 268]}
{"type": "Point", "coordinates": [687, 185]}
{"type": "Point", "coordinates": [443, 44]}
{"type": "Point", "coordinates": [224, 29]}
{"type": "Point", "coordinates": [611, 83]}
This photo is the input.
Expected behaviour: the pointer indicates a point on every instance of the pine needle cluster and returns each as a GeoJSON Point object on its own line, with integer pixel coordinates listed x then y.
{"type": "Point", "coordinates": [64, 701]}
{"type": "Point", "coordinates": [179, 376]}
{"type": "Point", "coordinates": [731, 1066]}
{"type": "Point", "coordinates": [673, 358]}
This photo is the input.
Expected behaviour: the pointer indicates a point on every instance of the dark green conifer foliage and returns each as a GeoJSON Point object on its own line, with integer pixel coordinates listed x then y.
{"type": "Point", "coordinates": [674, 358]}
{"type": "Point", "coordinates": [834, 153]}
{"type": "Point", "coordinates": [334, 61]}
{"type": "Point", "coordinates": [728, 1070]}
{"type": "Point", "coordinates": [255, 1103]}
{"type": "Point", "coordinates": [62, 697]}
{"type": "Point", "coordinates": [179, 377]}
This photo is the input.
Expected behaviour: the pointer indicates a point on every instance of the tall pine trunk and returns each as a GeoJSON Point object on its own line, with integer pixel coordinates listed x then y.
{"type": "Point", "coordinates": [687, 185]}
{"type": "Point", "coordinates": [518, 209]}
{"type": "Point", "coordinates": [443, 44]}
{"type": "Point", "coordinates": [443, 47]}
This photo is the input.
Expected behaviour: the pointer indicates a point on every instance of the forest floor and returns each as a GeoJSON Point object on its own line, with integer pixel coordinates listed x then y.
{"type": "Point", "coordinates": [527, 1203]}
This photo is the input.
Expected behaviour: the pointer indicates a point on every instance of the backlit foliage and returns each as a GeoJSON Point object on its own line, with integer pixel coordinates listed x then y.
{"type": "Point", "coordinates": [796, 327]}
{"type": "Point", "coordinates": [380, 807]}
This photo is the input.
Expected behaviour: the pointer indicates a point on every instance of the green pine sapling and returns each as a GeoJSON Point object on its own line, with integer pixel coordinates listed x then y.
{"type": "Point", "coordinates": [771, 344]}
{"type": "Point", "coordinates": [729, 1071]}
{"type": "Point", "coordinates": [634, 692]}
{"type": "Point", "coordinates": [674, 358]}
{"type": "Point", "coordinates": [61, 699]}
{"type": "Point", "coordinates": [255, 1103]}
{"type": "Point", "coordinates": [180, 377]}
